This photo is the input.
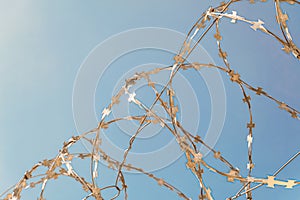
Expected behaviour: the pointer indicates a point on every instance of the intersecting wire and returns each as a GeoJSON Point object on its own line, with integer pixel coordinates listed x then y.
{"type": "Point", "coordinates": [61, 165]}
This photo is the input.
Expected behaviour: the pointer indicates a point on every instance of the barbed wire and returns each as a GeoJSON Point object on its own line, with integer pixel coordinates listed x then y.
{"type": "Point", "coordinates": [61, 165]}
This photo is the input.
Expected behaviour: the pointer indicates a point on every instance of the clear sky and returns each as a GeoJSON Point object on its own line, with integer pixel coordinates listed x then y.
{"type": "Point", "coordinates": [44, 43]}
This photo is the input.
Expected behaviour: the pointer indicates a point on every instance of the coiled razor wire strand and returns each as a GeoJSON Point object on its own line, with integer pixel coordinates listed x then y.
{"type": "Point", "coordinates": [61, 164]}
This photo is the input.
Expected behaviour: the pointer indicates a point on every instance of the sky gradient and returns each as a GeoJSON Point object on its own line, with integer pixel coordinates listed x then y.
{"type": "Point", "coordinates": [44, 43]}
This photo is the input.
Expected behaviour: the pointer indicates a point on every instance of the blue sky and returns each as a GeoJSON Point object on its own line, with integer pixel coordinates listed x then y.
{"type": "Point", "coordinates": [43, 44]}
